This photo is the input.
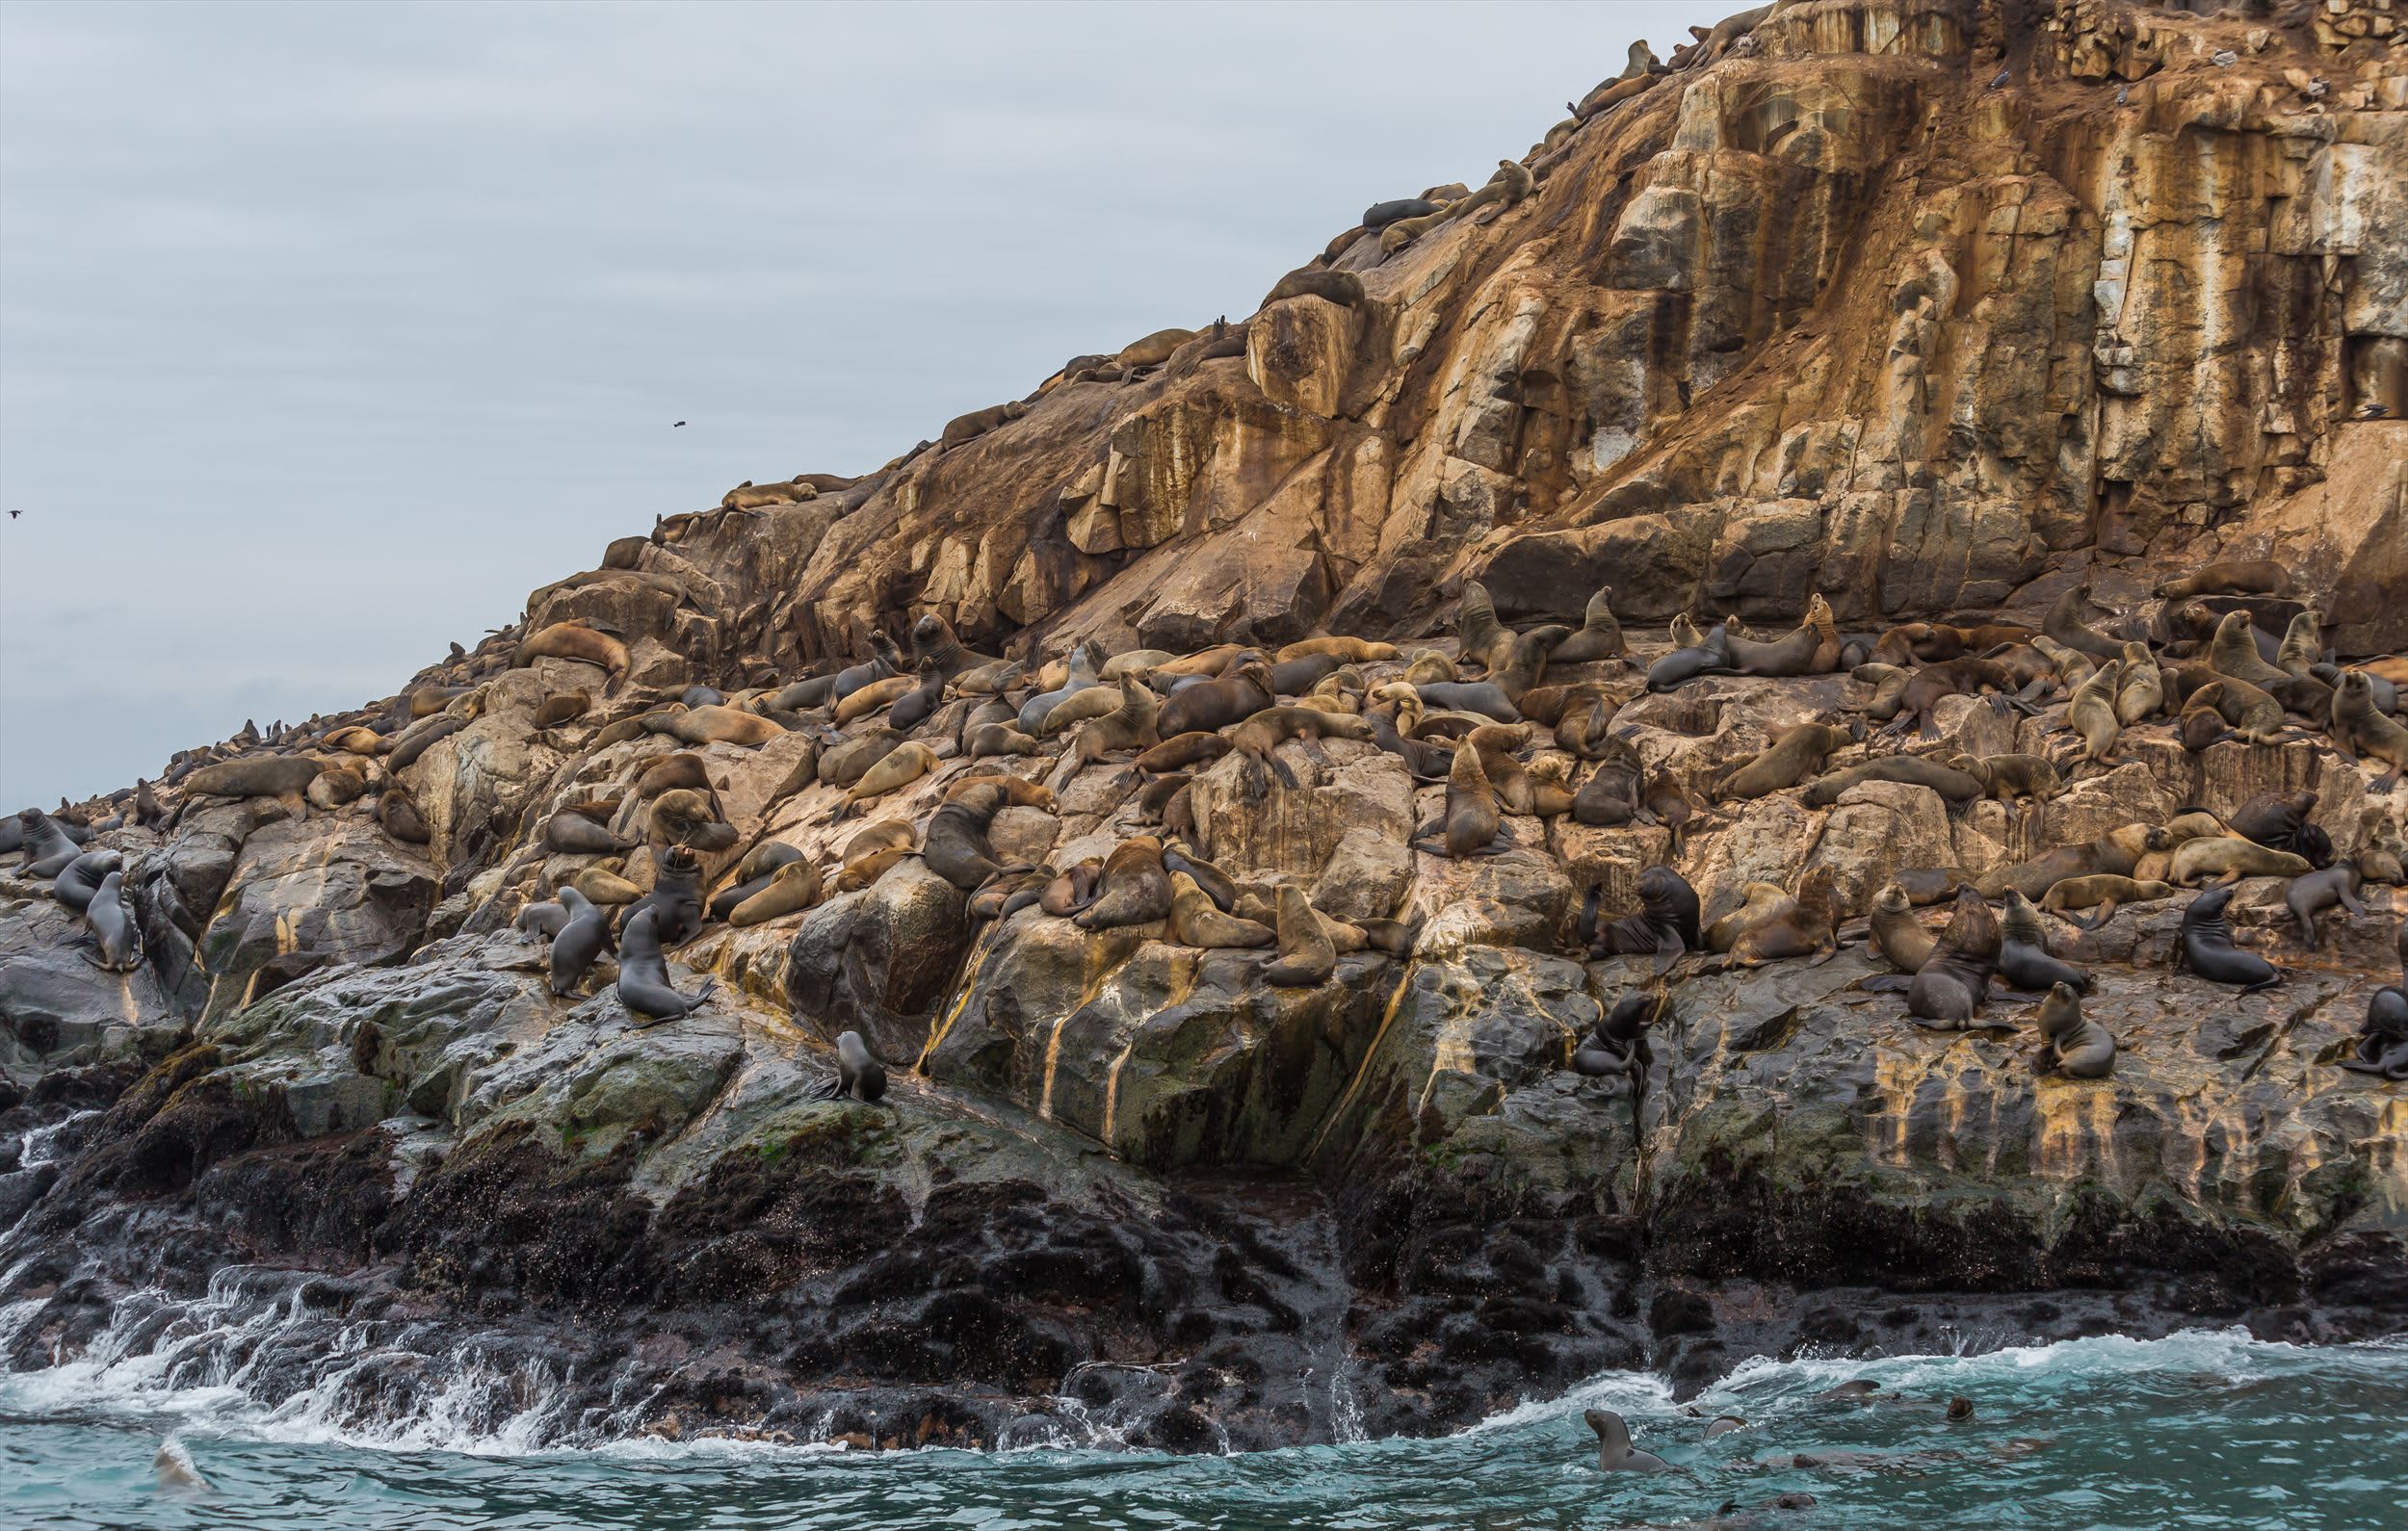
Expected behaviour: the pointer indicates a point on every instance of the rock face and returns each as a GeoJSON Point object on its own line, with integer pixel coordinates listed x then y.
{"type": "Point", "coordinates": [1823, 309]}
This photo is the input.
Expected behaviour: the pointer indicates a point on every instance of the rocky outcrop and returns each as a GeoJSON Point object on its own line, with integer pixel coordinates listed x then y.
{"type": "Point", "coordinates": [1932, 308]}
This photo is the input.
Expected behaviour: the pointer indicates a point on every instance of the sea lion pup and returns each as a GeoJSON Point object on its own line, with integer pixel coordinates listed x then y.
{"type": "Point", "coordinates": [80, 879]}
{"type": "Point", "coordinates": [1470, 822]}
{"type": "Point", "coordinates": [1216, 704]}
{"type": "Point", "coordinates": [2206, 946]}
{"type": "Point", "coordinates": [2104, 892]}
{"type": "Point", "coordinates": [574, 833]}
{"type": "Point", "coordinates": [846, 763]}
{"type": "Point", "coordinates": [1903, 944]}
{"type": "Point", "coordinates": [858, 1075]}
{"type": "Point", "coordinates": [2358, 729]}
{"type": "Point", "coordinates": [1665, 927]}
{"type": "Point", "coordinates": [584, 935]}
{"type": "Point", "coordinates": [1953, 786]}
{"type": "Point", "coordinates": [1195, 921]}
{"type": "Point", "coordinates": [2238, 577]}
{"type": "Point", "coordinates": [884, 662]}
{"type": "Point", "coordinates": [1710, 655]}
{"type": "Point", "coordinates": [575, 639]}
{"type": "Point", "coordinates": [1615, 1451]}
{"type": "Point", "coordinates": [1796, 752]}
{"type": "Point", "coordinates": [2091, 714]}
{"type": "Point", "coordinates": [1306, 955]}
{"type": "Point", "coordinates": [793, 887]}
{"type": "Point", "coordinates": [2315, 891]}
{"type": "Point", "coordinates": [2229, 858]}
{"type": "Point", "coordinates": [1761, 902]}
{"type": "Point", "coordinates": [2071, 1043]}
{"type": "Point", "coordinates": [254, 776]}
{"type": "Point", "coordinates": [1610, 796]}
{"type": "Point", "coordinates": [1135, 889]}
{"type": "Point", "coordinates": [2064, 625]}
{"type": "Point", "coordinates": [899, 767]}
{"type": "Point", "coordinates": [643, 985]}
{"type": "Point", "coordinates": [918, 704]}
{"type": "Point", "coordinates": [2140, 690]}
{"type": "Point", "coordinates": [752, 874]}
{"type": "Point", "coordinates": [1182, 751]}
{"type": "Point", "coordinates": [565, 707]}
{"type": "Point", "coordinates": [963, 428]}
{"type": "Point", "coordinates": [1950, 987]}
{"type": "Point", "coordinates": [1259, 738]}
{"type": "Point", "coordinates": [2118, 851]}
{"type": "Point", "coordinates": [1600, 636]}
{"type": "Point", "coordinates": [2024, 959]}
{"type": "Point", "coordinates": [1792, 654]}
{"type": "Point", "coordinates": [117, 935]}
{"type": "Point", "coordinates": [956, 846]}
{"type": "Point", "coordinates": [1072, 889]}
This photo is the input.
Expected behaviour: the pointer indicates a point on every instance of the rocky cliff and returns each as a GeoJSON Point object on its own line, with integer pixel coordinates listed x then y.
{"type": "Point", "coordinates": [1936, 310]}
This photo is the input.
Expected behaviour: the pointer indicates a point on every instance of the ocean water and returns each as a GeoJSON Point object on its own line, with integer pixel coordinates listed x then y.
{"type": "Point", "coordinates": [2204, 1430]}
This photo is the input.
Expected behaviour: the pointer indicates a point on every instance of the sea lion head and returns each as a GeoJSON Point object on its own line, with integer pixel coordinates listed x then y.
{"type": "Point", "coordinates": [1892, 899]}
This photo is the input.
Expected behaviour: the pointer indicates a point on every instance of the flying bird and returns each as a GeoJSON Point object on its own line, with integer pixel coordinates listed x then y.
{"type": "Point", "coordinates": [680, 423]}
{"type": "Point", "coordinates": [14, 514]}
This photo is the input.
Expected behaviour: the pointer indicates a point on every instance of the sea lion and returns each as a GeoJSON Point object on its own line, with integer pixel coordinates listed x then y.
{"type": "Point", "coordinates": [1761, 902]}
{"type": "Point", "coordinates": [1259, 738]}
{"type": "Point", "coordinates": [1486, 698]}
{"type": "Point", "coordinates": [680, 771]}
{"type": "Point", "coordinates": [1182, 752]}
{"type": "Point", "coordinates": [2007, 777]}
{"type": "Point", "coordinates": [917, 705]}
{"type": "Point", "coordinates": [793, 887]}
{"type": "Point", "coordinates": [885, 662]}
{"type": "Point", "coordinates": [1135, 889]}
{"type": "Point", "coordinates": [1306, 956]}
{"type": "Point", "coordinates": [2091, 714]}
{"type": "Point", "coordinates": [575, 639]}
{"type": "Point", "coordinates": [2071, 1043]}
{"type": "Point", "coordinates": [2064, 625]}
{"type": "Point", "coordinates": [2119, 850]}
{"type": "Point", "coordinates": [582, 936]}
{"type": "Point", "coordinates": [846, 763]}
{"type": "Point", "coordinates": [2238, 577]}
{"type": "Point", "coordinates": [956, 846]}
{"type": "Point", "coordinates": [751, 496]}
{"type": "Point", "coordinates": [2233, 652]}
{"type": "Point", "coordinates": [1406, 230]}
{"type": "Point", "coordinates": [1801, 928]}
{"type": "Point", "coordinates": [259, 776]}
{"type": "Point", "coordinates": [1600, 636]}
{"type": "Point", "coordinates": [863, 872]}
{"type": "Point", "coordinates": [933, 642]}
{"type": "Point", "coordinates": [964, 429]}
{"type": "Point", "coordinates": [1470, 822]}
{"type": "Point", "coordinates": [544, 919]}
{"type": "Point", "coordinates": [2358, 729]}
{"type": "Point", "coordinates": [2274, 818]}
{"type": "Point", "coordinates": [1081, 671]}
{"type": "Point", "coordinates": [1586, 722]}
{"type": "Point", "coordinates": [398, 812]}
{"type": "Point", "coordinates": [2315, 891]}
{"type": "Point", "coordinates": [2206, 946]}
{"type": "Point", "coordinates": [752, 874]}
{"type": "Point", "coordinates": [2254, 716]}
{"type": "Point", "coordinates": [1484, 640]}
{"type": "Point", "coordinates": [1131, 725]}
{"type": "Point", "coordinates": [1195, 921]}
{"type": "Point", "coordinates": [1152, 351]}
{"type": "Point", "coordinates": [1904, 944]}
{"type": "Point", "coordinates": [1710, 655]}
{"type": "Point", "coordinates": [2381, 1045]}
{"type": "Point", "coordinates": [714, 725]}
{"type": "Point", "coordinates": [575, 834]}
{"type": "Point", "coordinates": [1428, 666]}
{"type": "Point", "coordinates": [334, 786]}
{"type": "Point", "coordinates": [864, 700]}
{"type": "Point", "coordinates": [79, 880]}
{"type": "Point", "coordinates": [675, 897]}
{"type": "Point", "coordinates": [688, 817]}
{"type": "Point", "coordinates": [997, 739]}
{"type": "Point", "coordinates": [1347, 650]}
{"type": "Point", "coordinates": [1961, 677]}
{"type": "Point", "coordinates": [644, 983]}
{"type": "Point", "coordinates": [897, 768]}
{"type": "Point", "coordinates": [2140, 690]}
{"type": "Point", "coordinates": [603, 885]}
{"type": "Point", "coordinates": [2302, 647]}
{"type": "Point", "coordinates": [1949, 988]}
{"type": "Point", "coordinates": [1615, 1048]}
{"type": "Point", "coordinates": [565, 707]}
{"type": "Point", "coordinates": [49, 846]}
{"type": "Point", "coordinates": [1073, 889]}
{"type": "Point", "coordinates": [356, 740]}
{"type": "Point", "coordinates": [2229, 858]}
{"type": "Point", "coordinates": [116, 934]}
{"type": "Point", "coordinates": [1216, 704]}
{"type": "Point", "coordinates": [1665, 925]}
{"type": "Point", "coordinates": [858, 1075]}
{"type": "Point", "coordinates": [1204, 663]}
{"type": "Point", "coordinates": [2024, 959]}
{"type": "Point", "coordinates": [2102, 892]}
{"type": "Point", "coordinates": [1794, 654]}
{"type": "Point", "coordinates": [1178, 856]}
{"type": "Point", "coordinates": [1615, 1451]}
{"type": "Point", "coordinates": [1953, 786]}
{"type": "Point", "coordinates": [1796, 752]}
{"type": "Point", "coordinates": [1379, 214]}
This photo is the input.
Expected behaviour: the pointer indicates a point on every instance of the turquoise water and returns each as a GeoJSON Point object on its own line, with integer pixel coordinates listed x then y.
{"type": "Point", "coordinates": [2199, 1430]}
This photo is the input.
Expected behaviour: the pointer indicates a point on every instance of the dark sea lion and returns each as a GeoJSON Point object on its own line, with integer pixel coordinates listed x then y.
{"type": "Point", "coordinates": [885, 662]}
{"type": "Point", "coordinates": [48, 849]}
{"type": "Point", "coordinates": [582, 937]}
{"type": "Point", "coordinates": [700, 695]}
{"type": "Point", "coordinates": [2358, 729]}
{"type": "Point", "coordinates": [2206, 946]}
{"type": "Point", "coordinates": [1470, 822]}
{"type": "Point", "coordinates": [416, 743]}
{"type": "Point", "coordinates": [1484, 641]}
{"type": "Point", "coordinates": [1485, 697]}
{"type": "Point", "coordinates": [80, 879]}
{"type": "Point", "coordinates": [1156, 795]}
{"type": "Point", "coordinates": [1615, 1451]}
{"type": "Point", "coordinates": [1615, 1048]}
{"type": "Point", "coordinates": [643, 984]}
{"type": "Point", "coordinates": [2064, 625]}
{"type": "Point", "coordinates": [1600, 636]}
{"type": "Point", "coordinates": [1428, 762]}
{"type": "Point", "coordinates": [675, 898]}
{"type": "Point", "coordinates": [1526, 662]}
{"type": "Point", "coordinates": [1796, 751]}
{"type": "Point", "coordinates": [1953, 784]}
{"type": "Point", "coordinates": [1306, 956]}
{"type": "Point", "coordinates": [1135, 889]}
{"type": "Point", "coordinates": [2007, 777]}
{"type": "Point", "coordinates": [1710, 656]}
{"type": "Point", "coordinates": [544, 919]}
{"type": "Point", "coordinates": [956, 846]}
{"type": "Point", "coordinates": [1294, 677]}
{"type": "Point", "coordinates": [1666, 927]}
{"type": "Point", "coordinates": [115, 932]}
{"type": "Point", "coordinates": [802, 695]}
{"type": "Point", "coordinates": [1379, 214]}
{"type": "Point", "coordinates": [2273, 818]}
{"type": "Point", "coordinates": [2072, 1044]}
{"type": "Point", "coordinates": [964, 429]}
{"type": "Point", "coordinates": [574, 834]}
{"type": "Point", "coordinates": [1610, 796]}
{"type": "Point", "coordinates": [566, 707]}
{"type": "Point", "coordinates": [858, 1075]}
{"type": "Point", "coordinates": [2238, 577]}
{"type": "Point", "coordinates": [1948, 990]}
{"type": "Point", "coordinates": [2024, 959]}
{"type": "Point", "coordinates": [2322, 889]}
{"type": "Point", "coordinates": [917, 705]}
{"type": "Point", "coordinates": [1926, 886]}
{"type": "Point", "coordinates": [1794, 654]}
{"type": "Point", "coordinates": [1341, 287]}
{"type": "Point", "coordinates": [1216, 704]}
{"type": "Point", "coordinates": [1903, 944]}
{"type": "Point", "coordinates": [1961, 677]}
{"type": "Point", "coordinates": [398, 812]}
{"type": "Point", "coordinates": [1181, 751]}
{"type": "Point", "coordinates": [263, 775]}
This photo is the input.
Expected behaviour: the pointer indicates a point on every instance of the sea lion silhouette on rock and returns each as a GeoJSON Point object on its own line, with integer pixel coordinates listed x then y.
{"type": "Point", "coordinates": [643, 985]}
{"type": "Point", "coordinates": [2205, 946]}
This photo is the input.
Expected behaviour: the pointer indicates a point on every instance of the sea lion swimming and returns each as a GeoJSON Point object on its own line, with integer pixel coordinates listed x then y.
{"type": "Point", "coordinates": [858, 1075]}
{"type": "Point", "coordinates": [1615, 1451]}
{"type": "Point", "coordinates": [582, 939]}
{"type": "Point", "coordinates": [2024, 959]}
{"type": "Point", "coordinates": [2206, 946]}
{"type": "Point", "coordinates": [643, 984]}
{"type": "Point", "coordinates": [1949, 988]}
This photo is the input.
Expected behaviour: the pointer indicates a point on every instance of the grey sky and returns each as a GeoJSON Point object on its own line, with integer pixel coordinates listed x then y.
{"type": "Point", "coordinates": [326, 332]}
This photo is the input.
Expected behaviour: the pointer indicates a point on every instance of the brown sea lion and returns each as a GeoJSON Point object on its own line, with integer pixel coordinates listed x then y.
{"type": "Point", "coordinates": [2233, 652]}
{"type": "Point", "coordinates": [899, 767]}
{"type": "Point", "coordinates": [1485, 641]}
{"type": "Point", "coordinates": [1796, 751]}
{"type": "Point", "coordinates": [964, 429]}
{"type": "Point", "coordinates": [869, 698]}
{"type": "Point", "coordinates": [563, 707]}
{"type": "Point", "coordinates": [1794, 654]}
{"type": "Point", "coordinates": [2302, 647]}
{"type": "Point", "coordinates": [751, 496]}
{"type": "Point", "coordinates": [862, 872]}
{"type": "Point", "coordinates": [1600, 636]}
{"type": "Point", "coordinates": [1953, 786]}
{"type": "Point", "coordinates": [1760, 901]}
{"type": "Point", "coordinates": [1195, 921]}
{"type": "Point", "coordinates": [2140, 690]}
{"type": "Point", "coordinates": [2236, 577]}
{"type": "Point", "coordinates": [2064, 625]}
{"type": "Point", "coordinates": [1903, 942]}
{"type": "Point", "coordinates": [669, 773]}
{"type": "Point", "coordinates": [956, 846]}
{"type": "Point", "coordinates": [2104, 892]}
{"type": "Point", "coordinates": [997, 739]}
{"type": "Point", "coordinates": [2253, 715]}
{"type": "Point", "coordinates": [1307, 958]}
{"type": "Point", "coordinates": [2358, 729]}
{"type": "Point", "coordinates": [2229, 858]}
{"type": "Point", "coordinates": [1182, 751]}
{"type": "Point", "coordinates": [2117, 851]}
{"type": "Point", "coordinates": [2091, 712]}
{"type": "Point", "coordinates": [1965, 677]}
{"type": "Point", "coordinates": [2071, 1043]}
{"type": "Point", "coordinates": [1259, 737]}
{"type": "Point", "coordinates": [714, 725]}
{"type": "Point", "coordinates": [1216, 704]}
{"type": "Point", "coordinates": [1610, 796]}
{"type": "Point", "coordinates": [1801, 929]}
{"type": "Point", "coordinates": [792, 888]}
{"type": "Point", "coordinates": [1135, 889]}
{"type": "Point", "coordinates": [1471, 821]}
{"type": "Point", "coordinates": [254, 776]}
{"type": "Point", "coordinates": [575, 639]}
{"type": "Point", "coordinates": [1073, 889]}
{"type": "Point", "coordinates": [933, 642]}
{"type": "Point", "coordinates": [1130, 726]}
{"type": "Point", "coordinates": [1951, 987]}
{"type": "Point", "coordinates": [1346, 649]}
{"type": "Point", "coordinates": [844, 765]}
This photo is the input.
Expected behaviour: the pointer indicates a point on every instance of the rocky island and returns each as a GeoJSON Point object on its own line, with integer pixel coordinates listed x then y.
{"type": "Point", "coordinates": [1776, 730]}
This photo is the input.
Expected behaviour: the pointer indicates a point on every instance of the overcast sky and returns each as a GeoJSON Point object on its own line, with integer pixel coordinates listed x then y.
{"type": "Point", "coordinates": [326, 332]}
